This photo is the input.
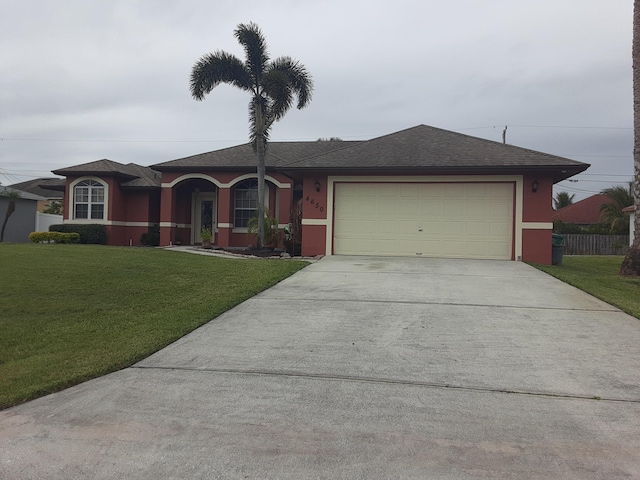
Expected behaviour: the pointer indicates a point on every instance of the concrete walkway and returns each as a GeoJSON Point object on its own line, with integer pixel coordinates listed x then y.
{"type": "Point", "coordinates": [360, 368]}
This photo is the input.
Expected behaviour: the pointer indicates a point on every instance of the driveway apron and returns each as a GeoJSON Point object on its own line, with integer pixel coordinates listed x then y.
{"type": "Point", "coordinates": [362, 367]}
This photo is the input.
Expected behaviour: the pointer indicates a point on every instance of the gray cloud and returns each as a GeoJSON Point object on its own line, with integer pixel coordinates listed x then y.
{"type": "Point", "coordinates": [87, 80]}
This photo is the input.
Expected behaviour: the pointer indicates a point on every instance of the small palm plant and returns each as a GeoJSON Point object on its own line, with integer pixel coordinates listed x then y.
{"type": "Point", "coordinates": [611, 214]}
{"type": "Point", "coordinates": [207, 236]}
{"type": "Point", "coordinates": [270, 227]}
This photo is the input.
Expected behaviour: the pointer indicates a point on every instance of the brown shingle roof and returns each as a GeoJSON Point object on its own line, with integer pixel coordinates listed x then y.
{"type": "Point", "coordinates": [242, 156]}
{"type": "Point", "coordinates": [137, 176]}
{"type": "Point", "coordinates": [104, 166]}
{"type": "Point", "coordinates": [146, 177]}
{"type": "Point", "coordinates": [420, 148]}
{"type": "Point", "coordinates": [39, 186]}
{"type": "Point", "coordinates": [424, 147]}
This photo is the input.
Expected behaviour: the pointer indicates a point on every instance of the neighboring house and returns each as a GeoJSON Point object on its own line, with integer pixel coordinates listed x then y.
{"type": "Point", "coordinates": [24, 219]}
{"type": "Point", "coordinates": [422, 191]}
{"type": "Point", "coordinates": [584, 213]}
{"type": "Point", "coordinates": [51, 189]}
{"type": "Point", "coordinates": [632, 216]}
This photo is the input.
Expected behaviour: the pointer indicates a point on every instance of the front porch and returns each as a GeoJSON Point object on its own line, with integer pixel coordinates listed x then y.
{"type": "Point", "coordinates": [221, 202]}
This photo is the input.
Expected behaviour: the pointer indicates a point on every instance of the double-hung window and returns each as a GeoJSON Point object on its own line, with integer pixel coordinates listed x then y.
{"type": "Point", "coordinates": [245, 202]}
{"type": "Point", "coordinates": [88, 198]}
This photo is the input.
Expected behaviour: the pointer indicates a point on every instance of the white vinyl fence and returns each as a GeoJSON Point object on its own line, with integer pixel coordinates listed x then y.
{"type": "Point", "coordinates": [45, 220]}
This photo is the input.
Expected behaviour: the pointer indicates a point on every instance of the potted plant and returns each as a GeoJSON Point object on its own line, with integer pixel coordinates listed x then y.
{"type": "Point", "coordinates": [207, 236]}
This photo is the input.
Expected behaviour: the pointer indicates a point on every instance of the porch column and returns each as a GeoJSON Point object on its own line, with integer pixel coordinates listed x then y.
{"type": "Point", "coordinates": [285, 205]}
{"type": "Point", "coordinates": [225, 220]}
{"type": "Point", "coordinates": [167, 207]}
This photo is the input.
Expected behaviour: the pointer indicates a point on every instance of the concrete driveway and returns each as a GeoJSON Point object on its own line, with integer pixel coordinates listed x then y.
{"type": "Point", "coordinates": [360, 368]}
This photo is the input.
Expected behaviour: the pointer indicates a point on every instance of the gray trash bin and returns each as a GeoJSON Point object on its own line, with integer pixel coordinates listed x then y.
{"type": "Point", "coordinates": [557, 249]}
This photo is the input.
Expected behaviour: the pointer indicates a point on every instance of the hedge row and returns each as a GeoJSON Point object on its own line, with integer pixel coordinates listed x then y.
{"type": "Point", "coordinates": [89, 233]}
{"type": "Point", "coordinates": [54, 237]}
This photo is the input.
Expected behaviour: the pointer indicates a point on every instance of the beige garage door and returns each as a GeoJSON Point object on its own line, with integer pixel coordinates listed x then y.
{"type": "Point", "coordinates": [464, 220]}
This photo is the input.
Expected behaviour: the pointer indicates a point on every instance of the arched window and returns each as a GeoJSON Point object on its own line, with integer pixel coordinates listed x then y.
{"type": "Point", "coordinates": [88, 200]}
{"type": "Point", "coordinates": [245, 202]}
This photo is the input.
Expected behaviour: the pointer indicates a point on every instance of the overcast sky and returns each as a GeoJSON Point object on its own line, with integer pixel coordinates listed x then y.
{"type": "Point", "coordinates": [85, 80]}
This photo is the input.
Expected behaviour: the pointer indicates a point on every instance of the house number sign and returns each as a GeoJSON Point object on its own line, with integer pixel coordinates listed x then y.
{"type": "Point", "coordinates": [313, 202]}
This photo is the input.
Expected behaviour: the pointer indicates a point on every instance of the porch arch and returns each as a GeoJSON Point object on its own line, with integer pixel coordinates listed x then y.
{"type": "Point", "coordinates": [219, 184]}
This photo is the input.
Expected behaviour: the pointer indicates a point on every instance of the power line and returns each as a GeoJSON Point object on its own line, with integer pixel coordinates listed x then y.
{"type": "Point", "coordinates": [109, 141]}
{"type": "Point", "coordinates": [579, 127]}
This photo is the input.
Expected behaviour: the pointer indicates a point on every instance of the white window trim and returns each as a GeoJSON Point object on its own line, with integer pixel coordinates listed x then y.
{"type": "Point", "coordinates": [266, 203]}
{"type": "Point", "coordinates": [72, 201]}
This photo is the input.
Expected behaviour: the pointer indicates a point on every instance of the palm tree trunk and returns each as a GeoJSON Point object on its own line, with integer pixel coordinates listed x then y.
{"type": "Point", "coordinates": [631, 263]}
{"type": "Point", "coordinates": [635, 54]}
{"type": "Point", "coordinates": [261, 170]}
{"type": "Point", "coordinates": [11, 207]}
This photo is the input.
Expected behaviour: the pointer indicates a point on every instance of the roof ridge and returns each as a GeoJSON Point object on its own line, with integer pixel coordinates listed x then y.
{"type": "Point", "coordinates": [354, 143]}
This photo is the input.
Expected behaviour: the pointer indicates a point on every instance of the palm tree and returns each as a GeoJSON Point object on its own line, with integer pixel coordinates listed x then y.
{"type": "Point", "coordinates": [13, 195]}
{"type": "Point", "coordinates": [563, 199]}
{"type": "Point", "coordinates": [631, 263]}
{"type": "Point", "coordinates": [611, 213]}
{"type": "Point", "coordinates": [271, 83]}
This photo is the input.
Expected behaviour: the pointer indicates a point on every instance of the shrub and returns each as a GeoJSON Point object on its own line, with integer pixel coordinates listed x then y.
{"type": "Point", "coordinates": [152, 237]}
{"type": "Point", "coordinates": [54, 208]}
{"type": "Point", "coordinates": [564, 228]}
{"type": "Point", "coordinates": [89, 233]}
{"type": "Point", "coordinates": [54, 237]}
{"type": "Point", "coordinates": [631, 264]}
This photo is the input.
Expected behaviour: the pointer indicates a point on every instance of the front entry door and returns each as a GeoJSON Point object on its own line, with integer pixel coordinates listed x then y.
{"type": "Point", "coordinates": [204, 215]}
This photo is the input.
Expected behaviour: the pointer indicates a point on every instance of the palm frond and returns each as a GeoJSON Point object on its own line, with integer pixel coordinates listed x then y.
{"type": "Point", "coordinates": [215, 68]}
{"type": "Point", "coordinates": [252, 40]}
{"type": "Point", "coordinates": [621, 195]}
{"type": "Point", "coordinates": [562, 199]}
{"type": "Point", "coordinates": [300, 79]}
{"type": "Point", "coordinates": [278, 89]}
{"type": "Point", "coordinates": [611, 214]}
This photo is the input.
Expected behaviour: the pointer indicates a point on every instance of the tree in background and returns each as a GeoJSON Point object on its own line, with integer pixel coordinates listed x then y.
{"type": "Point", "coordinates": [563, 199]}
{"type": "Point", "coordinates": [271, 83]}
{"type": "Point", "coordinates": [631, 263]}
{"type": "Point", "coordinates": [54, 208]}
{"type": "Point", "coordinates": [12, 195]}
{"type": "Point", "coordinates": [611, 214]}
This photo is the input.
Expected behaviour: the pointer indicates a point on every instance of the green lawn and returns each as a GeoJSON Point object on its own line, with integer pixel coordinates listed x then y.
{"type": "Point", "coordinates": [598, 275]}
{"type": "Point", "coordinates": [69, 313]}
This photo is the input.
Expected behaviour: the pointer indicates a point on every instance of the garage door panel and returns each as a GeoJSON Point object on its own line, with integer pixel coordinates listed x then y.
{"type": "Point", "coordinates": [434, 192]}
{"type": "Point", "coordinates": [502, 209]}
{"type": "Point", "coordinates": [432, 228]}
{"type": "Point", "coordinates": [478, 228]}
{"type": "Point", "coordinates": [499, 230]}
{"type": "Point", "coordinates": [454, 191]}
{"type": "Point", "coordinates": [454, 228]}
{"type": "Point", "coordinates": [404, 190]}
{"type": "Point", "coordinates": [468, 220]}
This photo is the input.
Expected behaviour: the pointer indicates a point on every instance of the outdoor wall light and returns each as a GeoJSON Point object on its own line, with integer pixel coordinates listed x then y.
{"type": "Point", "coordinates": [534, 186]}
{"type": "Point", "coordinates": [317, 184]}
